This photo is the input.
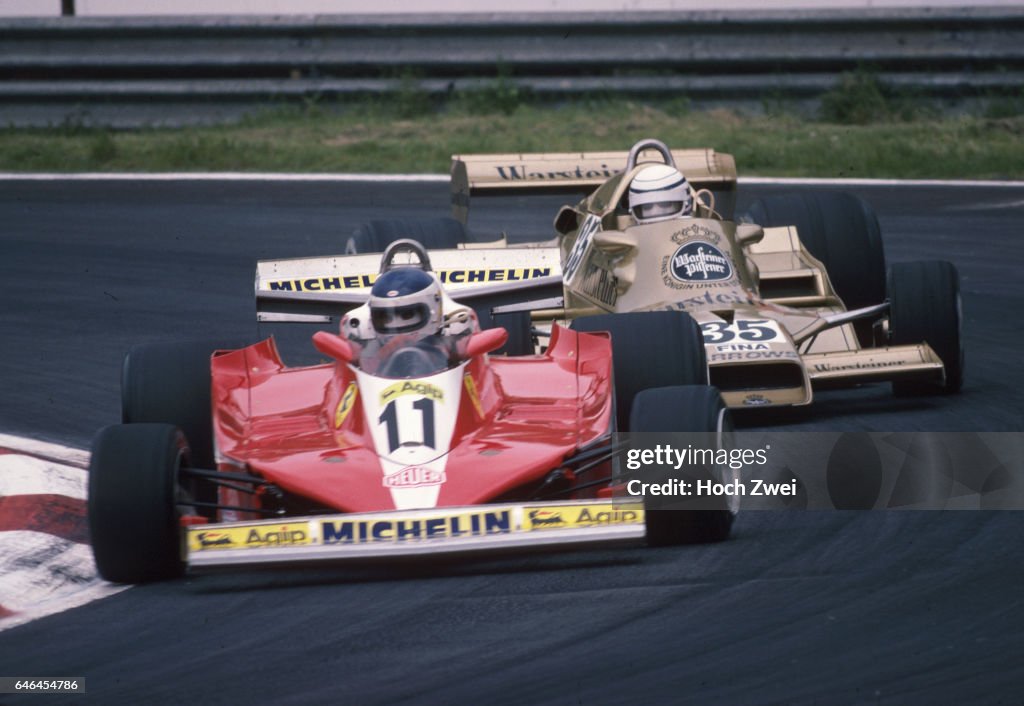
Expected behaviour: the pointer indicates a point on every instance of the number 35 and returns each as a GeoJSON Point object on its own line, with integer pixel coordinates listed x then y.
{"type": "Point", "coordinates": [752, 330]}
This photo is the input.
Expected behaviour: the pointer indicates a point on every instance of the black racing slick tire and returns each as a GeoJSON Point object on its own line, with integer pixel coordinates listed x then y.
{"type": "Point", "coordinates": [694, 408]}
{"type": "Point", "coordinates": [925, 306]}
{"type": "Point", "coordinates": [133, 519]}
{"type": "Point", "coordinates": [656, 414]}
{"type": "Point", "coordinates": [521, 340]}
{"type": "Point", "coordinates": [649, 349]}
{"type": "Point", "coordinates": [842, 231]}
{"type": "Point", "coordinates": [432, 233]}
{"type": "Point", "coordinates": [170, 383]}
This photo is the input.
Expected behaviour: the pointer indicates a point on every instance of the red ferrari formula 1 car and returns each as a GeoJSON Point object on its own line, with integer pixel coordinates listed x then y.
{"type": "Point", "coordinates": [402, 444]}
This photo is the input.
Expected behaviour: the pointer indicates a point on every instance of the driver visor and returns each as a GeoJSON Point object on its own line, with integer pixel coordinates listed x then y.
{"type": "Point", "coordinates": [399, 319]}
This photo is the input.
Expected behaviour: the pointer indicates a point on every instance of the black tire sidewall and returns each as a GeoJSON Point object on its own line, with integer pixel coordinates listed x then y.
{"type": "Point", "coordinates": [925, 306]}
{"type": "Point", "coordinates": [697, 409]}
{"type": "Point", "coordinates": [170, 383]}
{"type": "Point", "coordinates": [649, 349]}
{"type": "Point", "coordinates": [839, 229]}
{"type": "Point", "coordinates": [133, 520]}
{"type": "Point", "coordinates": [520, 332]}
{"type": "Point", "coordinates": [685, 408]}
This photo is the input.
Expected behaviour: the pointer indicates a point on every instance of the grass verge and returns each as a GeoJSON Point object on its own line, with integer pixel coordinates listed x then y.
{"type": "Point", "coordinates": [388, 137]}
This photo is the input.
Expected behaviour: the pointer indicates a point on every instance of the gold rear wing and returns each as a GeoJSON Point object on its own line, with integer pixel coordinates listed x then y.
{"type": "Point", "coordinates": [573, 173]}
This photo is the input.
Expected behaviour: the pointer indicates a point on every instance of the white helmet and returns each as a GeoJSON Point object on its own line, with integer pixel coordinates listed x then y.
{"type": "Point", "coordinates": [659, 192]}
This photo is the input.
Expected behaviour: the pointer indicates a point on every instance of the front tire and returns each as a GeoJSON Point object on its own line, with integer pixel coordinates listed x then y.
{"type": "Point", "coordinates": [697, 408]}
{"type": "Point", "coordinates": [133, 490]}
{"type": "Point", "coordinates": [650, 349]}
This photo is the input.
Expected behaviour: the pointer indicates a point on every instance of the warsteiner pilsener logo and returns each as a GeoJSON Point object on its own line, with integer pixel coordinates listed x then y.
{"type": "Point", "coordinates": [698, 261]}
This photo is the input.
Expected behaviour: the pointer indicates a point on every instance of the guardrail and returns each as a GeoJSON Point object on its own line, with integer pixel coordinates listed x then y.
{"type": "Point", "coordinates": [133, 71]}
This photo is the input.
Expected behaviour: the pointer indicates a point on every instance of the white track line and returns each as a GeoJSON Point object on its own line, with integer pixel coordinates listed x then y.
{"type": "Point", "coordinates": [880, 182]}
{"type": "Point", "coordinates": [991, 206]}
{"type": "Point", "coordinates": [46, 450]}
{"type": "Point", "coordinates": [443, 178]}
{"type": "Point", "coordinates": [28, 475]}
{"type": "Point", "coordinates": [221, 176]}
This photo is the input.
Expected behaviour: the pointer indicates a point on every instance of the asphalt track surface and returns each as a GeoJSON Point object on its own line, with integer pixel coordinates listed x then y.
{"type": "Point", "coordinates": [813, 607]}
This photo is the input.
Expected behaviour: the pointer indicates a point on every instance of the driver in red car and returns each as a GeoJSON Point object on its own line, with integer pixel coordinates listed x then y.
{"type": "Point", "coordinates": [409, 327]}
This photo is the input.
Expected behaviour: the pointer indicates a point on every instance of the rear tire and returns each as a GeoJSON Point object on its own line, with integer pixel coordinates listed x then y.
{"type": "Point", "coordinates": [925, 305]}
{"type": "Point", "coordinates": [133, 488]}
{"type": "Point", "coordinates": [170, 383]}
{"type": "Point", "coordinates": [696, 408]}
{"type": "Point", "coordinates": [520, 333]}
{"type": "Point", "coordinates": [432, 233]}
{"type": "Point", "coordinates": [650, 349]}
{"type": "Point", "coordinates": [842, 231]}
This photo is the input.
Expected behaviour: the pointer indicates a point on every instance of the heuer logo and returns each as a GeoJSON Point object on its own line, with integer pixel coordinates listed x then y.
{"type": "Point", "coordinates": [414, 477]}
{"type": "Point", "coordinates": [698, 261]}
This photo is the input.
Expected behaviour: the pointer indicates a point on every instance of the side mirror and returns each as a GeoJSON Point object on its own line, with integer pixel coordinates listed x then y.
{"type": "Point", "coordinates": [333, 346]}
{"type": "Point", "coordinates": [567, 220]}
{"type": "Point", "coordinates": [486, 341]}
{"type": "Point", "coordinates": [749, 234]}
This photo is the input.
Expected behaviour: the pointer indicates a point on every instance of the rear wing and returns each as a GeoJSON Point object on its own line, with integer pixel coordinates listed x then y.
{"type": "Point", "coordinates": [318, 289]}
{"type": "Point", "coordinates": [577, 173]}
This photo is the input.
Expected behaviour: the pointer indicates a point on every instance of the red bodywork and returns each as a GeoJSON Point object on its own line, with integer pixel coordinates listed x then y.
{"type": "Point", "coordinates": [529, 415]}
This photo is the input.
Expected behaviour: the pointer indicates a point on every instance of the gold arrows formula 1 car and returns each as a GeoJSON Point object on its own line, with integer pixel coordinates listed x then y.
{"type": "Point", "coordinates": [798, 299]}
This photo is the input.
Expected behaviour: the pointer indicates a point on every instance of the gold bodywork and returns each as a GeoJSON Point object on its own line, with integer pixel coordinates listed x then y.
{"type": "Point", "coordinates": [773, 325]}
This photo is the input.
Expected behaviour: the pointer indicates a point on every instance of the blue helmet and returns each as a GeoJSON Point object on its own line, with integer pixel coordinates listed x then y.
{"type": "Point", "coordinates": [405, 300]}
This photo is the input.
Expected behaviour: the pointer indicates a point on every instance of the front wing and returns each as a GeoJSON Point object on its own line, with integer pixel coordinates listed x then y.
{"type": "Point", "coordinates": [410, 533]}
